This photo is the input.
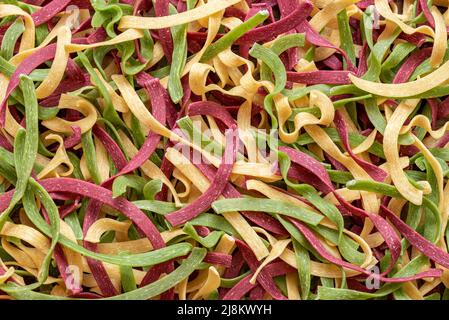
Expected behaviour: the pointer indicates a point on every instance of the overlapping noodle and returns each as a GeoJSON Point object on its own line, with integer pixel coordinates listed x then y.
{"type": "Point", "coordinates": [224, 149]}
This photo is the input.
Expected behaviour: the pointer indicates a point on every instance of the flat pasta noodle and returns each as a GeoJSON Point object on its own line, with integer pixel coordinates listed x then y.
{"type": "Point", "coordinates": [28, 37]}
{"type": "Point", "coordinates": [224, 149]}
{"type": "Point", "coordinates": [60, 157]}
{"type": "Point", "coordinates": [440, 43]}
{"type": "Point", "coordinates": [198, 13]}
{"type": "Point", "coordinates": [212, 283]}
{"type": "Point", "coordinates": [404, 90]}
{"type": "Point", "coordinates": [399, 178]}
{"type": "Point", "coordinates": [234, 218]}
{"type": "Point", "coordinates": [99, 227]}
{"type": "Point", "coordinates": [322, 18]}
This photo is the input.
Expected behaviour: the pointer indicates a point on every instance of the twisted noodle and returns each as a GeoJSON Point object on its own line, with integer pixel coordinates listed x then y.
{"type": "Point", "coordinates": [224, 149]}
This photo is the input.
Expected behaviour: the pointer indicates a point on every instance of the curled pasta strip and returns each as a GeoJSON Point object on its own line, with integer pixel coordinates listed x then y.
{"type": "Point", "coordinates": [60, 157]}
{"type": "Point", "coordinates": [210, 284]}
{"type": "Point", "coordinates": [384, 9]}
{"type": "Point", "coordinates": [27, 234]}
{"type": "Point", "coordinates": [99, 227]}
{"type": "Point", "coordinates": [28, 36]}
{"type": "Point", "coordinates": [234, 218]}
{"type": "Point", "coordinates": [391, 134]}
{"type": "Point", "coordinates": [56, 73]}
{"type": "Point", "coordinates": [185, 182]}
{"type": "Point", "coordinates": [316, 99]}
{"type": "Point", "coordinates": [102, 160]}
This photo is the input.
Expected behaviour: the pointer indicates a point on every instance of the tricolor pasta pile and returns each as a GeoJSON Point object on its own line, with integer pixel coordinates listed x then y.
{"type": "Point", "coordinates": [228, 149]}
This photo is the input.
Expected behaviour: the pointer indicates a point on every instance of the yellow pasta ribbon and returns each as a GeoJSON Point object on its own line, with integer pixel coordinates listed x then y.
{"type": "Point", "coordinates": [59, 158]}
{"type": "Point", "coordinates": [384, 9]}
{"type": "Point", "coordinates": [99, 227]}
{"type": "Point", "coordinates": [212, 283]}
{"type": "Point", "coordinates": [276, 251]}
{"type": "Point", "coordinates": [440, 39]}
{"type": "Point", "coordinates": [128, 35]}
{"type": "Point", "coordinates": [198, 13]}
{"type": "Point", "coordinates": [234, 218]}
{"type": "Point", "coordinates": [324, 16]}
{"type": "Point", "coordinates": [57, 69]}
